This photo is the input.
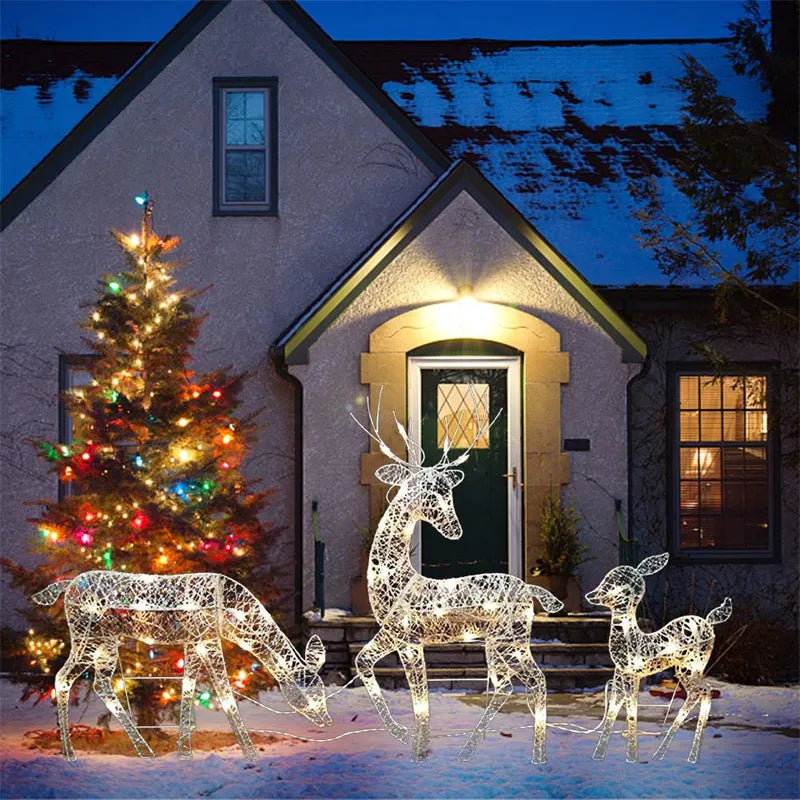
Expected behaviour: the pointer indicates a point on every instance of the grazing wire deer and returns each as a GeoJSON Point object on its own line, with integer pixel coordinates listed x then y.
{"type": "Point", "coordinates": [684, 643]}
{"type": "Point", "coordinates": [193, 610]}
{"type": "Point", "coordinates": [413, 610]}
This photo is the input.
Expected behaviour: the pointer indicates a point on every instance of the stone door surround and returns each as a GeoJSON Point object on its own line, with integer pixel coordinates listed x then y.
{"type": "Point", "coordinates": [545, 367]}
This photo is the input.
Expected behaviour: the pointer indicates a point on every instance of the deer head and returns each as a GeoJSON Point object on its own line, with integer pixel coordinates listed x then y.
{"type": "Point", "coordinates": [427, 492]}
{"type": "Point", "coordinates": [305, 692]}
{"type": "Point", "coordinates": [624, 586]}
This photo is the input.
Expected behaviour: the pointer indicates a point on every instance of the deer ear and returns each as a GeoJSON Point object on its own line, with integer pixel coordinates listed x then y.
{"type": "Point", "coordinates": [315, 654]}
{"type": "Point", "coordinates": [453, 477]}
{"type": "Point", "coordinates": [393, 474]}
{"type": "Point", "coordinates": [653, 564]}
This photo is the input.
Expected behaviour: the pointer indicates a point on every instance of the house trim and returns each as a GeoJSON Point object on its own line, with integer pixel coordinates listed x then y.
{"type": "Point", "coordinates": [156, 58]}
{"type": "Point", "coordinates": [295, 341]}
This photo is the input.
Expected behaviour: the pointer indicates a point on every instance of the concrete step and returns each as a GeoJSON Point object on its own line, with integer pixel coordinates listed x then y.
{"type": "Point", "coordinates": [473, 653]}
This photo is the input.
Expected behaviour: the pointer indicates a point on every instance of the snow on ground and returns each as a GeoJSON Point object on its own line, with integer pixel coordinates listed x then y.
{"type": "Point", "coordinates": [750, 749]}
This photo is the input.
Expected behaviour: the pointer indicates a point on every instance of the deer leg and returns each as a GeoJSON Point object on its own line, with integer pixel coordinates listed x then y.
{"type": "Point", "coordinates": [705, 708]}
{"type": "Point", "coordinates": [412, 658]}
{"type": "Point", "coordinates": [106, 658]}
{"type": "Point", "coordinates": [692, 696]}
{"type": "Point", "coordinates": [614, 696]}
{"type": "Point", "coordinates": [373, 651]}
{"type": "Point", "coordinates": [500, 675]}
{"type": "Point", "coordinates": [631, 688]}
{"type": "Point", "coordinates": [210, 652]}
{"type": "Point", "coordinates": [191, 666]}
{"type": "Point", "coordinates": [65, 677]}
{"type": "Point", "coordinates": [533, 678]}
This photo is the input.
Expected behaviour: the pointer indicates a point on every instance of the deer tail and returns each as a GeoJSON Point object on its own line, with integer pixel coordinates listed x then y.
{"type": "Point", "coordinates": [721, 612]}
{"type": "Point", "coordinates": [549, 601]}
{"type": "Point", "coordinates": [51, 593]}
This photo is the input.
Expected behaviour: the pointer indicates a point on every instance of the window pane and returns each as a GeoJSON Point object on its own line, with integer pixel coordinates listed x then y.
{"type": "Point", "coordinates": [689, 394]}
{"type": "Point", "coordinates": [756, 391]}
{"type": "Point", "coordinates": [710, 392]}
{"type": "Point", "coordinates": [756, 535]}
{"type": "Point", "coordinates": [254, 106]}
{"type": "Point", "coordinates": [755, 464]}
{"type": "Point", "coordinates": [709, 462]}
{"type": "Point", "coordinates": [234, 131]}
{"type": "Point", "coordinates": [711, 426]}
{"type": "Point", "coordinates": [756, 426]}
{"type": "Point", "coordinates": [234, 105]}
{"type": "Point", "coordinates": [690, 532]}
{"type": "Point", "coordinates": [689, 462]}
{"type": "Point", "coordinates": [711, 497]}
{"type": "Point", "coordinates": [245, 176]}
{"type": "Point", "coordinates": [710, 528]}
{"type": "Point", "coordinates": [732, 393]}
{"type": "Point", "coordinates": [690, 497]}
{"type": "Point", "coordinates": [254, 132]}
{"type": "Point", "coordinates": [690, 426]}
{"type": "Point", "coordinates": [462, 409]}
{"type": "Point", "coordinates": [733, 426]}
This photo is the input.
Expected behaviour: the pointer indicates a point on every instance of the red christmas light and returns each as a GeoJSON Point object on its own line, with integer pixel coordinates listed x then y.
{"type": "Point", "coordinates": [140, 521]}
{"type": "Point", "coordinates": [216, 394]}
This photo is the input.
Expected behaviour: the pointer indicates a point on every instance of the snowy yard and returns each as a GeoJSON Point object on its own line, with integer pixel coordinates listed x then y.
{"type": "Point", "coordinates": [750, 749]}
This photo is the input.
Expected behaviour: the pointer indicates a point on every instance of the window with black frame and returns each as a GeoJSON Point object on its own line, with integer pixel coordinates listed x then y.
{"type": "Point", "coordinates": [723, 475]}
{"type": "Point", "coordinates": [245, 146]}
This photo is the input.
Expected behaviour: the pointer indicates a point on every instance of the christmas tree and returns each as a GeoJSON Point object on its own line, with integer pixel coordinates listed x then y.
{"type": "Point", "coordinates": [151, 478]}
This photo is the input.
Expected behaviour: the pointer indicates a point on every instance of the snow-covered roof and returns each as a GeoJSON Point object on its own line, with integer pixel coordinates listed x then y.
{"type": "Point", "coordinates": [559, 127]}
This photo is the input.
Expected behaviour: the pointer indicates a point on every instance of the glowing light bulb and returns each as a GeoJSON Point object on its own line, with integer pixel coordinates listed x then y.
{"type": "Point", "coordinates": [227, 439]}
{"type": "Point", "coordinates": [114, 287]}
{"type": "Point", "coordinates": [184, 455]}
{"type": "Point", "coordinates": [182, 422]}
{"type": "Point", "coordinates": [134, 240]}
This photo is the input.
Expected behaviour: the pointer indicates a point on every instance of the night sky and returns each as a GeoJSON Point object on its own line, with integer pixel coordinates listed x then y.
{"type": "Point", "coordinates": [148, 20]}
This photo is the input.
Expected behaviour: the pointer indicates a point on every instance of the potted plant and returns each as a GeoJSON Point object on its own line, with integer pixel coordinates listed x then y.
{"type": "Point", "coordinates": [562, 551]}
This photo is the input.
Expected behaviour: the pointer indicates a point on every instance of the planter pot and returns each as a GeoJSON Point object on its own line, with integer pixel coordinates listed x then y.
{"type": "Point", "coordinates": [566, 589]}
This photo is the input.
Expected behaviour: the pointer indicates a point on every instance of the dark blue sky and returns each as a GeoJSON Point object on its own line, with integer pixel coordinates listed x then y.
{"type": "Point", "coordinates": [147, 20]}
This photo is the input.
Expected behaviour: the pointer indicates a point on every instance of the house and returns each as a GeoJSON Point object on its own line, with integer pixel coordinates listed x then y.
{"type": "Point", "coordinates": [439, 217]}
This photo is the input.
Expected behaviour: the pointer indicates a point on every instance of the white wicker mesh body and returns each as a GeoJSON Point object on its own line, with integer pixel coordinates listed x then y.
{"type": "Point", "coordinates": [684, 643]}
{"type": "Point", "coordinates": [413, 610]}
{"type": "Point", "coordinates": [194, 611]}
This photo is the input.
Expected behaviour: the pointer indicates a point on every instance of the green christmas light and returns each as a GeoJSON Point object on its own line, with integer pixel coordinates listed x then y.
{"type": "Point", "coordinates": [107, 559]}
{"type": "Point", "coordinates": [114, 287]}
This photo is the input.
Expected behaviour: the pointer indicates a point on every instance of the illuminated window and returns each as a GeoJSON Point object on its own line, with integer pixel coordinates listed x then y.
{"type": "Point", "coordinates": [462, 408]}
{"type": "Point", "coordinates": [723, 464]}
{"type": "Point", "coordinates": [245, 145]}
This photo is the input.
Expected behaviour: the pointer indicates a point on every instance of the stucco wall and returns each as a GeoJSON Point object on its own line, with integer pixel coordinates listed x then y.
{"type": "Point", "coordinates": [464, 245]}
{"type": "Point", "coordinates": [343, 176]}
{"type": "Point", "coordinates": [768, 590]}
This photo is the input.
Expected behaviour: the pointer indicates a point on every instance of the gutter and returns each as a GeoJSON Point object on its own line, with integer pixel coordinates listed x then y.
{"type": "Point", "coordinates": [643, 373]}
{"type": "Point", "coordinates": [283, 370]}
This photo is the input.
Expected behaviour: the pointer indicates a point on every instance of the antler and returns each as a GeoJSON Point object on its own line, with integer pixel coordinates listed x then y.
{"type": "Point", "coordinates": [416, 454]}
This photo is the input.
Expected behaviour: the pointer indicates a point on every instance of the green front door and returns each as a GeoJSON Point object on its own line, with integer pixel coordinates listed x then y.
{"type": "Point", "coordinates": [449, 397]}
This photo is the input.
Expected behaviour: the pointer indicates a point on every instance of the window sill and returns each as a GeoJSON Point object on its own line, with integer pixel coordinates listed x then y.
{"type": "Point", "coordinates": [685, 557]}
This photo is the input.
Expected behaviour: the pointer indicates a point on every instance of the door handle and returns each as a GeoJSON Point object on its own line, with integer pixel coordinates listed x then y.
{"type": "Point", "coordinates": [513, 476]}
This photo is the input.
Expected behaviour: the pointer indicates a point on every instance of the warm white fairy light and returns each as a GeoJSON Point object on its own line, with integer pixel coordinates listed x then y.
{"type": "Point", "coordinates": [194, 611]}
{"type": "Point", "coordinates": [684, 643]}
{"type": "Point", "coordinates": [413, 610]}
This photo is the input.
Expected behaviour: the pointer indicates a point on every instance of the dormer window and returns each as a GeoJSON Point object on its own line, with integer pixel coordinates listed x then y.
{"type": "Point", "coordinates": [245, 146]}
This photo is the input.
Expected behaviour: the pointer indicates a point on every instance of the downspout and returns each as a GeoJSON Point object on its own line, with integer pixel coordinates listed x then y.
{"type": "Point", "coordinates": [283, 371]}
{"type": "Point", "coordinates": [628, 405]}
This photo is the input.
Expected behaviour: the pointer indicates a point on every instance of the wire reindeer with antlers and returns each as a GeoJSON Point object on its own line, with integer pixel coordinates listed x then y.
{"type": "Point", "coordinates": [684, 643]}
{"type": "Point", "coordinates": [413, 610]}
{"type": "Point", "coordinates": [195, 611]}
